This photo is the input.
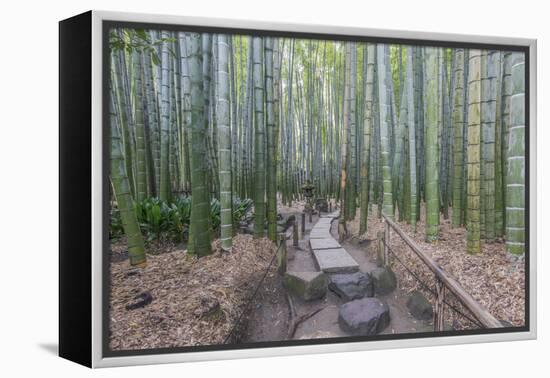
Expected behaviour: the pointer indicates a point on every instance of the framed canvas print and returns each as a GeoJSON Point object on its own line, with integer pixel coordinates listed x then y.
{"type": "Point", "coordinates": [233, 189]}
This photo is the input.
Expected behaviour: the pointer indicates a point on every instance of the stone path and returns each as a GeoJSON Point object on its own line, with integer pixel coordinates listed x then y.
{"type": "Point", "coordinates": [336, 319]}
{"type": "Point", "coordinates": [329, 254]}
{"type": "Point", "coordinates": [350, 306]}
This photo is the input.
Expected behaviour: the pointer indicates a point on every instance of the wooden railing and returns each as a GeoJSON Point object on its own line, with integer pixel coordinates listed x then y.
{"type": "Point", "coordinates": [443, 281]}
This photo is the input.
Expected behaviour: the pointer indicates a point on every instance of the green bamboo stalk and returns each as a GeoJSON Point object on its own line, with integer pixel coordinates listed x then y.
{"type": "Point", "coordinates": [342, 227]}
{"type": "Point", "coordinates": [515, 183]}
{"type": "Point", "coordinates": [458, 125]}
{"type": "Point", "coordinates": [259, 139]}
{"type": "Point", "coordinates": [351, 192]}
{"type": "Point", "coordinates": [141, 175]}
{"type": "Point", "coordinates": [200, 228]}
{"type": "Point", "coordinates": [125, 114]}
{"type": "Point", "coordinates": [165, 120]}
{"type": "Point", "coordinates": [499, 174]}
{"type": "Point", "coordinates": [224, 143]}
{"type": "Point", "coordinates": [431, 123]}
{"type": "Point", "coordinates": [506, 96]}
{"type": "Point", "coordinates": [367, 127]}
{"type": "Point", "coordinates": [271, 182]}
{"type": "Point", "coordinates": [474, 152]}
{"type": "Point", "coordinates": [411, 107]}
{"type": "Point", "coordinates": [385, 125]}
{"type": "Point", "coordinates": [488, 114]}
{"type": "Point", "coordinates": [123, 196]}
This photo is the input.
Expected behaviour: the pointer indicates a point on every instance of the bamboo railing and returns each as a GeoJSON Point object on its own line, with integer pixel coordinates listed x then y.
{"type": "Point", "coordinates": [443, 281]}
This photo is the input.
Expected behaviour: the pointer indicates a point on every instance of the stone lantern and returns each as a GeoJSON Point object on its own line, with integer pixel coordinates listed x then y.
{"type": "Point", "coordinates": [308, 190]}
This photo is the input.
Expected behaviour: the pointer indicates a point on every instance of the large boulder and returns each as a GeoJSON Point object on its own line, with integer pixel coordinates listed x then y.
{"type": "Point", "coordinates": [419, 306]}
{"type": "Point", "coordinates": [364, 317]}
{"type": "Point", "coordinates": [306, 285]}
{"type": "Point", "coordinates": [384, 280]}
{"type": "Point", "coordinates": [352, 286]}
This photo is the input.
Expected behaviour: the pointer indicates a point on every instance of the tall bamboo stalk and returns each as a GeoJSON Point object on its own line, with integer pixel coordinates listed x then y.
{"type": "Point", "coordinates": [224, 143]}
{"type": "Point", "coordinates": [474, 152]}
{"type": "Point", "coordinates": [200, 229]}
{"type": "Point", "coordinates": [515, 184]}
{"type": "Point", "coordinates": [259, 138]}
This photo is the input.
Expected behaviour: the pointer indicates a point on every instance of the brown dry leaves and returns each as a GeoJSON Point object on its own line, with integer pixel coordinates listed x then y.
{"type": "Point", "coordinates": [195, 301]}
{"type": "Point", "coordinates": [495, 281]}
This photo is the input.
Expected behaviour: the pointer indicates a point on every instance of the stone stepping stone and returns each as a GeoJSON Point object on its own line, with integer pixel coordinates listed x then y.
{"type": "Point", "coordinates": [335, 260]}
{"type": "Point", "coordinates": [306, 285]}
{"type": "Point", "coordinates": [419, 306]}
{"type": "Point", "coordinates": [328, 243]}
{"type": "Point", "coordinates": [384, 280]}
{"type": "Point", "coordinates": [364, 317]}
{"type": "Point", "coordinates": [320, 235]}
{"type": "Point", "coordinates": [325, 231]}
{"type": "Point", "coordinates": [352, 286]}
{"type": "Point", "coordinates": [321, 228]}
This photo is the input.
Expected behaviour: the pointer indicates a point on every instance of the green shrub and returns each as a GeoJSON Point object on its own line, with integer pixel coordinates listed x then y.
{"type": "Point", "coordinates": [161, 219]}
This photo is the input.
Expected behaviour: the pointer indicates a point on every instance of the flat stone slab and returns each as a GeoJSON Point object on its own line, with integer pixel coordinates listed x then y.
{"type": "Point", "coordinates": [320, 235]}
{"type": "Point", "coordinates": [321, 232]}
{"type": "Point", "coordinates": [335, 260]}
{"type": "Point", "coordinates": [321, 227]}
{"type": "Point", "coordinates": [328, 243]}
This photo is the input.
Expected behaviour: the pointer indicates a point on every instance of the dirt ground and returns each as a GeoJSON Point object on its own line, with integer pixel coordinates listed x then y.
{"type": "Point", "coordinates": [192, 301]}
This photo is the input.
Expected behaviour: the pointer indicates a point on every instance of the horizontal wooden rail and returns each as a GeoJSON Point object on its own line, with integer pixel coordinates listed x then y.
{"type": "Point", "coordinates": [481, 314]}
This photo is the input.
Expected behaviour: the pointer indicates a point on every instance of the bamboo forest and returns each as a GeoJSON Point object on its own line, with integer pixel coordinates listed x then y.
{"type": "Point", "coordinates": [278, 188]}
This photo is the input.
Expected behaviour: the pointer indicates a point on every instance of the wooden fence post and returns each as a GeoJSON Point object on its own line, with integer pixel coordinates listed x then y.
{"type": "Point", "coordinates": [386, 243]}
{"type": "Point", "coordinates": [295, 233]}
{"type": "Point", "coordinates": [380, 252]}
{"type": "Point", "coordinates": [330, 206]}
{"type": "Point", "coordinates": [281, 255]}
{"type": "Point", "coordinates": [439, 303]}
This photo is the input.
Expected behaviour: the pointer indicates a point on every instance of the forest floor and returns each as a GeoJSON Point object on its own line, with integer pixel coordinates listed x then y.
{"type": "Point", "coordinates": [491, 277]}
{"type": "Point", "coordinates": [194, 301]}
{"type": "Point", "coordinates": [198, 301]}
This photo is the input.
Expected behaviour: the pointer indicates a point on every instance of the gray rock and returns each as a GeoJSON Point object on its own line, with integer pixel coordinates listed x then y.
{"type": "Point", "coordinates": [306, 285]}
{"type": "Point", "coordinates": [384, 280]}
{"type": "Point", "coordinates": [364, 317]}
{"type": "Point", "coordinates": [287, 222]}
{"type": "Point", "coordinates": [352, 286]}
{"type": "Point", "coordinates": [419, 306]}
